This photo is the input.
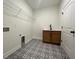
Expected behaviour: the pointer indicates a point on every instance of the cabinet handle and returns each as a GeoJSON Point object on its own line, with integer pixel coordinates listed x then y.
{"type": "Point", "coordinates": [73, 32]}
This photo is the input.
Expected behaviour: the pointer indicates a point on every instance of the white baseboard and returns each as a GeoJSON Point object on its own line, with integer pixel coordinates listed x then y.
{"type": "Point", "coordinates": [28, 40]}
{"type": "Point", "coordinates": [40, 38]}
{"type": "Point", "coordinates": [11, 51]}
{"type": "Point", "coordinates": [67, 50]}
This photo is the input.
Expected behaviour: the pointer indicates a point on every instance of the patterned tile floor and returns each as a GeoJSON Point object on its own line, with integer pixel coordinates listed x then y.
{"type": "Point", "coordinates": [36, 49]}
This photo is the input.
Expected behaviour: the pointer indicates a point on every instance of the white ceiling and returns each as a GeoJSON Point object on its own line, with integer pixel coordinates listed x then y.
{"type": "Point", "coordinates": [36, 4]}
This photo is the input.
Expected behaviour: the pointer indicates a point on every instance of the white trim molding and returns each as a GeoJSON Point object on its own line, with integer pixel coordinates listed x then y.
{"type": "Point", "coordinates": [40, 38]}
{"type": "Point", "coordinates": [11, 51]}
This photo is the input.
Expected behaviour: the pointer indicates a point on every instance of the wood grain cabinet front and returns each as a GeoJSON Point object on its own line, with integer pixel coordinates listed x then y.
{"type": "Point", "coordinates": [46, 36]}
{"type": "Point", "coordinates": [53, 37]}
{"type": "Point", "coordinates": [56, 37]}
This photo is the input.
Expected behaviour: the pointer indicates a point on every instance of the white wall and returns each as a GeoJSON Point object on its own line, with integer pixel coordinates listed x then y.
{"type": "Point", "coordinates": [68, 23]}
{"type": "Point", "coordinates": [43, 18]}
{"type": "Point", "coordinates": [18, 17]}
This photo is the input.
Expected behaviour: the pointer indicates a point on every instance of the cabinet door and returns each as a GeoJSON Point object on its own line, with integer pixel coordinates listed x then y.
{"type": "Point", "coordinates": [46, 36]}
{"type": "Point", "coordinates": [56, 37]}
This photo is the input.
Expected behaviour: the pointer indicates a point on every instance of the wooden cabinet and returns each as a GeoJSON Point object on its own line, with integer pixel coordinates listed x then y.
{"type": "Point", "coordinates": [53, 37]}
{"type": "Point", "coordinates": [46, 36]}
{"type": "Point", "coordinates": [56, 37]}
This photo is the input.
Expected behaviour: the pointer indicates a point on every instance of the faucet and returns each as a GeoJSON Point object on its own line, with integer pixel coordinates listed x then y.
{"type": "Point", "coordinates": [50, 26]}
